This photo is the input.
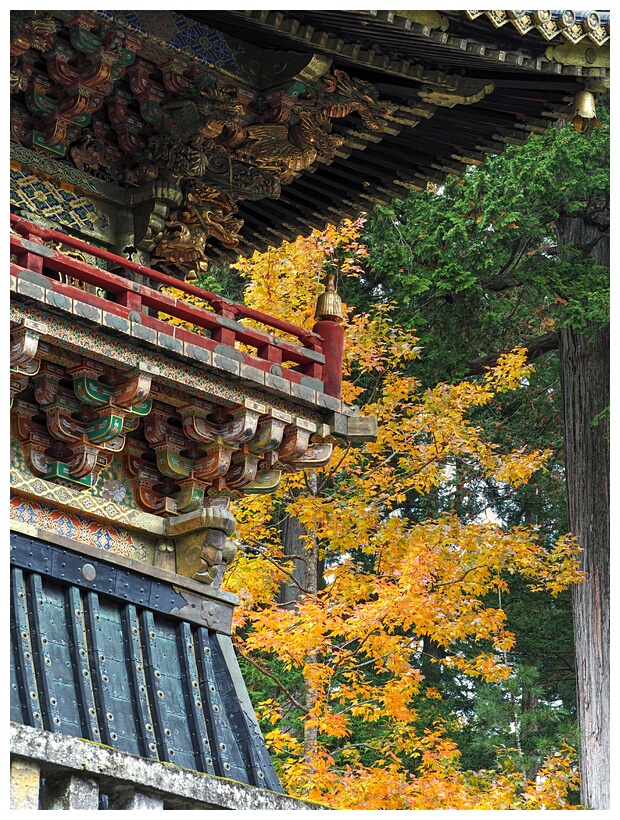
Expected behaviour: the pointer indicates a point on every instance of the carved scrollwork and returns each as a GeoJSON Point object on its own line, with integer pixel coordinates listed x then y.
{"type": "Point", "coordinates": [180, 160]}
{"type": "Point", "coordinates": [88, 154]}
{"type": "Point", "coordinates": [316, 455]}
{"type": "Point", "coordinates": [285, 151]}
{"type": "Point", "coordinates": [55, 451]}
{"type": "Point", "coordinates": [216, 461]}
{"type": "Point", "coordinates": [18, 80]}
{"type": "Point", "coordinates": [146, 482]}
{"type": "Point", "coordinates": [25, 344]}
{"type": "Point", "coordinates": [212, 166]}
{"type": "Point", "coordinates": [71, 433]}
{"type": "Point", "coordinates": [183, 242]}
{"type": "Point", "coordinates": [268, 436]}
{"type": "Point", "coordinates": [215, 210]}
{"type": "Point", "coordinates": [466, 91]}
{"type": "Point", "coordinates": [212, 108]}
{"type": "Point", "coordinates": [265, 481]}
{"type": "Point", "coordinates": [201, 543]}
{"type": "Point", "coordinates": [18, 383]}
{"type": "Point", "coordinates": [127, 391]}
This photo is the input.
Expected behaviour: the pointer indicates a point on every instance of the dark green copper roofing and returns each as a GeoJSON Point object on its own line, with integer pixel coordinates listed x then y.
{"type": "Point", "coordinates": [105, 653]}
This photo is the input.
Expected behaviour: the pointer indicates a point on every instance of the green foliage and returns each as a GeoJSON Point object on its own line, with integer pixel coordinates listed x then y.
{"type": "Point", "coordinates": [265, 691]}
{"type": "Point", "coordinates": [515, 721]}
{"type": "Point", "coordinates": [225, 281]}
{"type": "Point", "coordinates": [475, 265]}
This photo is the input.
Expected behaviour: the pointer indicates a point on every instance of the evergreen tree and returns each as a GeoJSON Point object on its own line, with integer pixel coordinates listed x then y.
{"type": "Point", "coordinates": [517, 252]}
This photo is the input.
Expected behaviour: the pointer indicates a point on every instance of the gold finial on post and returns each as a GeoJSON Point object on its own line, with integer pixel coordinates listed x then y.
{"type": "Point", "coordinates": [329, 304]}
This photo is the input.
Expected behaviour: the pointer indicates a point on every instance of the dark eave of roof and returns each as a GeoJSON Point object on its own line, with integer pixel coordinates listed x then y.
{"type": "Point", "coordinates": [531, 90]}
{"type": "Point", "coordinates": [446, 89]}
{"type": "Point", "coordinates": [370, 39]}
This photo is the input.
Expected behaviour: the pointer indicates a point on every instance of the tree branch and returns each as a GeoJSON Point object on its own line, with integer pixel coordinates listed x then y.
{"type": "Point", "coordinates": [273, 561]}
{"type": "Point", "coordinates": [272, 677]}
{"type": "Point", "coordinates": [503, 280]}
{"type": "Point", "coordinates": [433, 586]}
{"type": "Point", "coordinates": [545, 343]}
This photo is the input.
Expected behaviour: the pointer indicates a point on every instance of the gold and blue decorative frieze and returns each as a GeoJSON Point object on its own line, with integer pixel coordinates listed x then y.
{"type": "Point", "coordinates": [176, 33]}
{"type": "Point", "coordinates": [59, 204]}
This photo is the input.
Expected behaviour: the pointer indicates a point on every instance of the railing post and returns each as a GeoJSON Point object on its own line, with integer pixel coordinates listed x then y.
{"type": "Point", "coordinates": [130, 299]}
{"type": "Point", "coordinates": [332, 335]}
{"type": "Point", "coordinates": [328, 327]}
{"type": "Point", "coordinates": [270, 353]}
{"type": "Point", "coordinates": [223, 334]}
{"type": "Point", "coordinates": [31, 259]}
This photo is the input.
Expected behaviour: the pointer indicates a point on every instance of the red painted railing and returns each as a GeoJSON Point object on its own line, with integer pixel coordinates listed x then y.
{"type": "Point", "coordinates": [122, 297]}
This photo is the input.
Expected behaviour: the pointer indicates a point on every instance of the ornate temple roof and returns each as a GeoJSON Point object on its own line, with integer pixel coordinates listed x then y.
{"type": "Point", "coordinates": [146, 145]}
{"type": "Point", "coordinates": [275, 122]}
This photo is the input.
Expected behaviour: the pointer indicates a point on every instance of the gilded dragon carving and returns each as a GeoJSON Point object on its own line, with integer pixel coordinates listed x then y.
{"type": "Point", "coordinates": [339, 95]}
{"type": "Point", "coordinates": [212, 109]}
{"type": "Point", "coordinates": [208, 212]}
{"type": "Point", "coordinates": [34, 30]}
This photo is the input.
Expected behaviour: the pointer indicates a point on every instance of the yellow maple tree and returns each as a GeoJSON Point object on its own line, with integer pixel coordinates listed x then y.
{"type": "Point", "coordinates": [351, 642]}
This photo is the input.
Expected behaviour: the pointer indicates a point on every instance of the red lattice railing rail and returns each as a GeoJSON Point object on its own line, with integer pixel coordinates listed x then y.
{"type": "Point", "coordinates": [316, 356]}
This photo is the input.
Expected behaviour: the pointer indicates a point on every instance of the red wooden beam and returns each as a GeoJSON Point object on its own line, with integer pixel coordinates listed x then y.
{"type": "Point", "coordinates": [220, 305]}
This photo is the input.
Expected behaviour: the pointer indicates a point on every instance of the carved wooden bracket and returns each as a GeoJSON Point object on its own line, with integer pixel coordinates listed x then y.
{"type": "Point", "coordinates": [74, 414]}
{"type": "Point", "coordinates": [84, 427]}
{"type": "Point", "coordinates": [25, 353]}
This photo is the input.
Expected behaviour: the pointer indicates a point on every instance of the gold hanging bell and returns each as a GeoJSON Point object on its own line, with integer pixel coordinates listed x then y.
{"type": "Point", "coordinates": [584, 111]}
{"type": "Point", "coordinates": [329, 304]}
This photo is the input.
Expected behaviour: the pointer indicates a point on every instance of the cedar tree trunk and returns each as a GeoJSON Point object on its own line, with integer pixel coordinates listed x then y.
{"type": "Point", "coordinates": [584, 371]}
{"type": "Point", "coordinates": [294, 547]}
